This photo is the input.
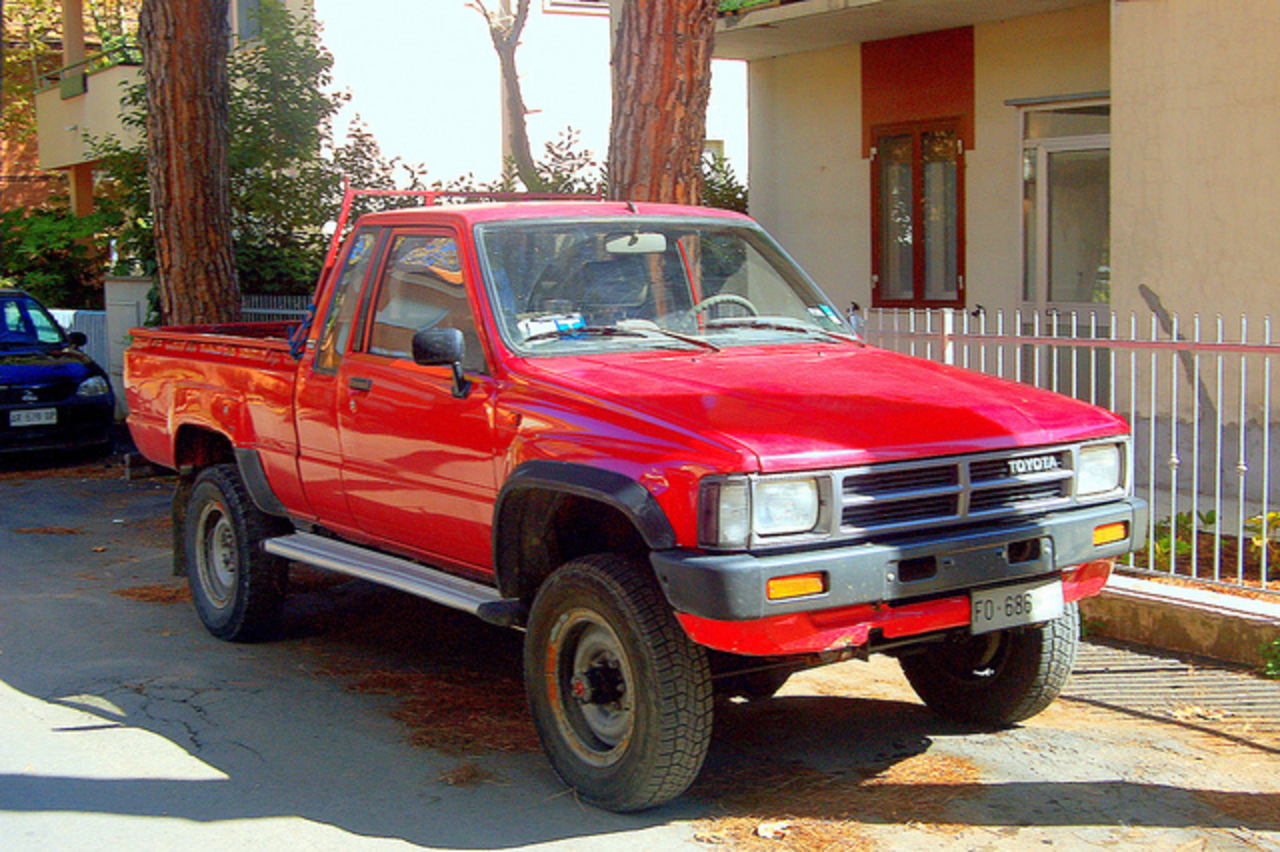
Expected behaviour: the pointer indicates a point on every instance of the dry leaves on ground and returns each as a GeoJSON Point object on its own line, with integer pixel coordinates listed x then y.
{"type": "Point", "coordinates": [156, 594]}
{"type": "Point", "coordinates": [795, 807]}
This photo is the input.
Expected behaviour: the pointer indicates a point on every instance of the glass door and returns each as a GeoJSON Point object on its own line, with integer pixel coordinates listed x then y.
{"type": "Point", "coordinates": [917, 255]}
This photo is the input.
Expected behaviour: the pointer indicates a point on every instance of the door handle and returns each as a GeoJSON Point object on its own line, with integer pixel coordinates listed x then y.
{"type": "Point", "coordinates": [358, 383]}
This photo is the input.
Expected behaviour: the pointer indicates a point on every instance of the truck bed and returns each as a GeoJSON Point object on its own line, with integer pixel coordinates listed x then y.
{"type": "Point", "coordinates": [233, 379]}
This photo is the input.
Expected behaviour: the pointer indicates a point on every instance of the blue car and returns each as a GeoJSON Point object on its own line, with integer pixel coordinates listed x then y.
{"type": "Point", "coordinates": [52, 395]}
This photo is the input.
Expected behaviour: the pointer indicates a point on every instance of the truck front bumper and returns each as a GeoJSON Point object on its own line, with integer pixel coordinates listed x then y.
{"type": "Point", "coordinates": [733, 587]}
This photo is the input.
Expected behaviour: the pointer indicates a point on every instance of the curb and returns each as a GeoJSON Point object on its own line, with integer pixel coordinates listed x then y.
{"type": "Point", "coordinates": [1222, 627]}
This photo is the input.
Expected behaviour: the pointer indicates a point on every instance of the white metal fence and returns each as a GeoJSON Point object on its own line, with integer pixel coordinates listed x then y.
{"type": "Point", "coordinates": [94, 326]}
{"type": "Point", "coordinates": [1199, 395]}
{"type": "Point", "coordinates": [266, 308]}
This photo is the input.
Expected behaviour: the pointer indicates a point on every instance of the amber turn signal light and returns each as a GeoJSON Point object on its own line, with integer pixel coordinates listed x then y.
{"type": "Point", "coordinates": [797, 586]}
{"type": "Point", "coordinates": [1110, 533]}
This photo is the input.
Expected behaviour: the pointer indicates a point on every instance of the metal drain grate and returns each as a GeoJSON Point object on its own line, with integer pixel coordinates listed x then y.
{"type": "Point", "coordinates": [1166, 686]}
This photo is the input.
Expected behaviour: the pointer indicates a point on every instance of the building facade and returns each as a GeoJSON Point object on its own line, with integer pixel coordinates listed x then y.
{"type": "Point", "coordinates": [1019, 154]}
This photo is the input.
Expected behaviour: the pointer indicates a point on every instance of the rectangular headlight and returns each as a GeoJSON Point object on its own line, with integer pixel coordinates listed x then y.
{"type": "Point", "coordinates": [733, 511]}
{"type": "Point", "coordinates": [1100, 470]}
{"type": "Point", "coordinates": [785, 506]}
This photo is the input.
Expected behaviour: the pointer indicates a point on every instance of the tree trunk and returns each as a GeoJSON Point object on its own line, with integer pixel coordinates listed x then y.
{"type": "Point", "coordinates": [505, 30]}
{"type": "Point", "coordinates": [662, 80]}
{"type": "Point", "coordinates": [184, 60]}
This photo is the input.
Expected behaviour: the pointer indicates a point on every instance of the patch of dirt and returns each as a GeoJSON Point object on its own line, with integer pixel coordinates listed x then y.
{"type": "Point", "coordinates": [750, 834]}
{"type": "Point", "coordinates": [154, 532]}
{"type": "Point", "coordinates": [48, 531]}
{"type": "Point", "coordinates": [1251, 588]}
{"type": "Point", "coordinates": [457, 685]}
{"type": "Point", "coordinates": [465, 774]}
{"type": "Point", "coordinates": [1226, 548]}
{"type": "Point", "coordinates": [110, 468]}
{"type": "Point", "coordinates": [1259, 811]}
{"type": "Point", "coordinates": [156, 594]}
{"type": "Point", "coordinates": [808, 810]}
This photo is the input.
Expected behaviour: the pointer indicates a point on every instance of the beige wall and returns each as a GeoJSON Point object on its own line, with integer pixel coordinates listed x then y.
{"type": "Point", "coordinates": [1196, 162]}
{"type": "Point", "coordinates": [62, 125]}
{"type": "Point", "coordinates": [810, 186]}
{"type": "Point", "coordinates": [1041, 56]}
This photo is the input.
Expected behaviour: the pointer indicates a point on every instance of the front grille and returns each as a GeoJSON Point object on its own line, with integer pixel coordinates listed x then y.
{"type": "Point", "coordinates": [877, 482]}
{"type": "Point", "coordinates": [898, 498]}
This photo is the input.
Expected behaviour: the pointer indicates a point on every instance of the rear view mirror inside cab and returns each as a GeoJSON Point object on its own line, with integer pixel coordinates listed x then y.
{"type": "Point", "coordinates": [639, 243]}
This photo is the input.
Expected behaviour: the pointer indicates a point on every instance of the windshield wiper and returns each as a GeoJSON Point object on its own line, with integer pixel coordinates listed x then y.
{"type": "Point", "coordinates": [685, 338]}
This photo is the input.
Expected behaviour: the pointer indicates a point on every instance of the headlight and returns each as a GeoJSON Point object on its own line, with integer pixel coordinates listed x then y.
{"type": "Point", "coordinates": [732, 511]}
{"type": "Point", "coordinates": [785, 506]}
{"type": "Point", "coordinates": [1100, 470]}
{"type": "Point", "coordinates": [93, 386]}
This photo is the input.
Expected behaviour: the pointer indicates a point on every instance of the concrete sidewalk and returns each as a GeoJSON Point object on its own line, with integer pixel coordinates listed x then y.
{"type": "Point", "coordinates": [1210, 624]}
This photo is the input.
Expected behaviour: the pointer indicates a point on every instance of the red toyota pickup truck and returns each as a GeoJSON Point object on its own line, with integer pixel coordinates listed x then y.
{"type": "Point", "coordinates": [642, 435]}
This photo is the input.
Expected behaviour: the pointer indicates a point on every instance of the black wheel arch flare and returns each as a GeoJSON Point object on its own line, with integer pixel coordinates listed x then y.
{"type": "Point", "coordinates": [608, 487]}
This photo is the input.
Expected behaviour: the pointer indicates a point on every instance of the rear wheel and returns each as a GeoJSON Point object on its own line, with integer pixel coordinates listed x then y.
{"type": "Point", "coordinates": [997, 678]}
{"type": "Point", "coordinates": [238, 589]}
{"type": "Point", "coordinates": [620, 697]}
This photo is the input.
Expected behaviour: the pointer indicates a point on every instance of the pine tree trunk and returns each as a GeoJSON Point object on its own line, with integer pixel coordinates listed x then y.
{"type": "Point", "coordinates": [662, 80]}
{"type": "Point", "coordinates": [184, 52]}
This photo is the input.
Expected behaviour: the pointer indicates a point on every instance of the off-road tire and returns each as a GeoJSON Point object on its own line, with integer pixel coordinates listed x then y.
{"type": "Point", "coordinates": [237, 588]}
{"type": "Point", "coordinates": [998, 678]}
{"type": "Point", "coordinates": [638, 729]}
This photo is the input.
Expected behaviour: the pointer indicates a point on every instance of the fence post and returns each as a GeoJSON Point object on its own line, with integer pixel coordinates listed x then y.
{"type": "Point", "coordinates": [949, 336]}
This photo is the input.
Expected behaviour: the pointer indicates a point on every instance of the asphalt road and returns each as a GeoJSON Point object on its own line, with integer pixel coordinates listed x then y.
{"type": "Point", "coordinates": [380, 721]}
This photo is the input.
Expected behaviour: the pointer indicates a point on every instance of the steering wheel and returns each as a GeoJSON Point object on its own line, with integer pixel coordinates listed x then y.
{"type": "Point", "coordinates": [725, 298]}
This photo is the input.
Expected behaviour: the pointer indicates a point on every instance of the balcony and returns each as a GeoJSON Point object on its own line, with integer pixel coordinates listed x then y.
{"type": "Point", "coordinates": [83, 101]}
{"type": "Point", "coordinates": [757, 29]}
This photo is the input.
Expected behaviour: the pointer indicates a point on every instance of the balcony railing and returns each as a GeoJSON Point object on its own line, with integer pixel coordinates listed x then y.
{"type": "Point", "coordinates": [72, 80]}
{"type": "Point", "coordinates": [1199, 395]}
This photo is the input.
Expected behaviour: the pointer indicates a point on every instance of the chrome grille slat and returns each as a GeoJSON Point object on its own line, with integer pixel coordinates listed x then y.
{"type": "Point", "coordinates": [903, 497]}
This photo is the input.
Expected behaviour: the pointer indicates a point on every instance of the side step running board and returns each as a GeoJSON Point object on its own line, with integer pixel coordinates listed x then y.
{"type": "Point", "coordinates": [403, 574]}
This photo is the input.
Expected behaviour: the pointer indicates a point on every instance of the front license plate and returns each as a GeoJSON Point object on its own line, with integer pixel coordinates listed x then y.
{"type": "Point", "coordinates": [33, 417]}
{"type": "Point", "coordinates": [1014, 606]}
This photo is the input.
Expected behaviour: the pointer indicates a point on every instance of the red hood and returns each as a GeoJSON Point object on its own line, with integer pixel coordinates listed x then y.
{"type": "Point", "coordinates": [830, 406]}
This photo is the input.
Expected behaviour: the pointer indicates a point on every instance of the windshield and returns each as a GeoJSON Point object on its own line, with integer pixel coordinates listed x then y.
{"type": "Point", "coordinates": [25, 322]}
{"type": "Point", "coordinates": [574, 287]}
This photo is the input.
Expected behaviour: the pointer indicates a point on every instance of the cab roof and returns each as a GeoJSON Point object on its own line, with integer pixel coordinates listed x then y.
{"type": "Point", "coordinates": [470, 214]}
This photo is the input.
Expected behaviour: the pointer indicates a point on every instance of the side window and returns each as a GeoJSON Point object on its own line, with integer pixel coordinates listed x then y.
{"type": "Point", "coordinates": [46, 330]}
{"type": "Point", "coordinates": [14, 323]}
{"type": "Point", "coordinates": [336, 330]}
{"type": "Point", "coordinates": [422, 287]}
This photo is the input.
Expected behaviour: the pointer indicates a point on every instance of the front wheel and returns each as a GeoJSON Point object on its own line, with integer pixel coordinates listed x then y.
{"type": "Point", "coordinates": [237, 588]}
{"type": "Point", "coordinates": [620, 697]}
{"type": "Point", "coordinates": [997, 678]}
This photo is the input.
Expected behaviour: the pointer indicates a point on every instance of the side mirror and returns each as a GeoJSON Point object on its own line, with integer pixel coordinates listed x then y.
{"type": "Point", "coordinates": [434, 347]}
{"type": "Point", "coordinates": [77, 339]}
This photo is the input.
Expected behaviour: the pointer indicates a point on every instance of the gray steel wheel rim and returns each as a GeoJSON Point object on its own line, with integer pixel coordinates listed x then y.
{"type": "Point", "coordinates": [599, 733]}
{"type": "Point", "coordinates": [217, 556]}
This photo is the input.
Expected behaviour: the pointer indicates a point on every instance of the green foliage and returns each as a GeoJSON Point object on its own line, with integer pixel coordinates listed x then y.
{"type": "Point", "coordinates": [720, 185]}
{"type": "Point", "coordinates": [1271, 659]}
{"type": "Point", "coordinates": [285, 169]}
{"type": "Point", "coordinates": [1263, 529]}
{"type": "Point", "coordinates": [1174, 536]}
{"type": "Point", "coordinates": [566, 168]}
{"type": "Point", "coordinates": [279, 119]}
{"type": "Point", "coordinates": [54, 255]}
